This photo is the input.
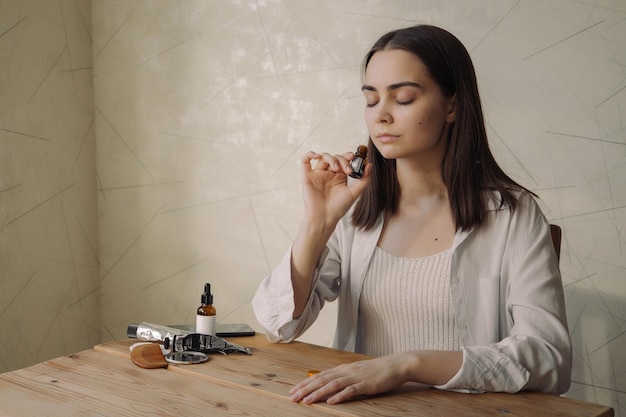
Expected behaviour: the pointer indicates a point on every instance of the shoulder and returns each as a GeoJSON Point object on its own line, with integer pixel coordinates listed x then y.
{"type": "Point", "coordinates": [506, 232]}
{"type": "Point", "coordinates": [525, 202]}
{"type": "Point", "coordinates": [525, 219]}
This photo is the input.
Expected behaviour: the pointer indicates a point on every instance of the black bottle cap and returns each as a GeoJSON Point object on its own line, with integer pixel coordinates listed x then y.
{"type": "Point", "coordinates": [207, 297]}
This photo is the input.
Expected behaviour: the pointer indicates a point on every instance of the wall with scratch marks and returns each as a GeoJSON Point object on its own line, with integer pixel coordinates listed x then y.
{"type": "Point", "coordinates": [49, 279]}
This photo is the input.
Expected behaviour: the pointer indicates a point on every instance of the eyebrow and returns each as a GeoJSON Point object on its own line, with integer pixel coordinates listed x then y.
{"type": "Point", "coordinates": [395, 86]}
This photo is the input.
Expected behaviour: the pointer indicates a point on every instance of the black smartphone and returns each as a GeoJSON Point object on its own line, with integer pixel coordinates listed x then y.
{"type": "Point", "coordinates": [233, 330]}
{"type": "Point", "coordinates": [222, 329]}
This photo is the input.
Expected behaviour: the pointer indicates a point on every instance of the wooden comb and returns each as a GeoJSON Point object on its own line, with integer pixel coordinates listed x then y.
{"type": "Point", "coordinates": [148, 356]}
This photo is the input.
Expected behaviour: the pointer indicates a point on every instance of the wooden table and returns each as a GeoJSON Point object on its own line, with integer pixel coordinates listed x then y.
{"type": "Point", "coordinates": [103, 381]}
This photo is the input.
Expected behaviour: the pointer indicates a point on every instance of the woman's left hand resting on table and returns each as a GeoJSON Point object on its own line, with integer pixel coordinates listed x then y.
{"type": "Point", "coordinates": [378, 375]}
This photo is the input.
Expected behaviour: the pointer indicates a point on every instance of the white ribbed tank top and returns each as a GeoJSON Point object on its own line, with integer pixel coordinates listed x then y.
{"type": "Point", "coordinates": [406, 305]}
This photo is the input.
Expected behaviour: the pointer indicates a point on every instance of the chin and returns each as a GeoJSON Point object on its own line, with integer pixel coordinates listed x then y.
{"type": "Point", "coordinates": [390, 155]}
{"type": "Point", "coordinates": [388, 152]}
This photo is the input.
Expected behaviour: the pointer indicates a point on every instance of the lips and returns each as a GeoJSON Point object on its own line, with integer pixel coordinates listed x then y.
{"type": "Point", "coordinates": [386, 137]}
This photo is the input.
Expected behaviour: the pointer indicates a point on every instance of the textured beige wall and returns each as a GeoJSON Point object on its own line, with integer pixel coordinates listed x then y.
{"type": "Point", "coordinates": [49, 298]}
{"type": "Point", "coordinates": [202, 111]}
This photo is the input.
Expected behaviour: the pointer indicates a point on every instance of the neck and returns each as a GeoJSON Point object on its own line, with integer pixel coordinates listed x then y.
{"type": "Point", "coordinates": [420, 183]}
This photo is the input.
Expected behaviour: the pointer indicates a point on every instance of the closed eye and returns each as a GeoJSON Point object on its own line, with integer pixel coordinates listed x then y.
{"type": "Point", "coordinates": [401, 89]}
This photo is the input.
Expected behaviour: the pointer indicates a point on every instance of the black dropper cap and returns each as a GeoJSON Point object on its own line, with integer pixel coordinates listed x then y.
{"type": "Point", "coordinates": [207, 297]}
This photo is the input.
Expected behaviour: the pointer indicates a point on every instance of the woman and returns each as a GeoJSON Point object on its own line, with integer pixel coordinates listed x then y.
{"type": "Point", "coordinates": [443, 265]}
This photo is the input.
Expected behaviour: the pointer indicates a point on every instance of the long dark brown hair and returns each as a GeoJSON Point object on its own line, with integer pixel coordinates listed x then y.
{"type": "Point", "coordinates": [468, 167]}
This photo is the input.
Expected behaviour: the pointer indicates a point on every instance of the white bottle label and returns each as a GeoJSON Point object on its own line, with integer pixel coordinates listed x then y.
{"type": "Point", "coordinates": [205, 324]}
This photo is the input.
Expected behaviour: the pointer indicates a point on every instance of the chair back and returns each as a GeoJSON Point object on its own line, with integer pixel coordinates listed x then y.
{"type": "Point", "coordinates": [555, 231]}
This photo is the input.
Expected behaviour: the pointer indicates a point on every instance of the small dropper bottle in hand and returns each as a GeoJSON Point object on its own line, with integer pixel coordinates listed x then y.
{"type": "Point", "coordinates": [206, 314]}
{"type": "Point", "coordinates": [358, 163]}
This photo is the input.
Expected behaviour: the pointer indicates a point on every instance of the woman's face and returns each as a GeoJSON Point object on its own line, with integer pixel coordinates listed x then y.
{"type": "Point", "coordinates": [406, 112]}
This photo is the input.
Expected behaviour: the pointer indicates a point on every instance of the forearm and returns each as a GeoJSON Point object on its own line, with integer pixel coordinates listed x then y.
{"type": "Point", "coordinates": [432, 367]}
{"type": "Point", "coordinates": [306, 251]}
{"type": "Point", "coordinates": [377, 375]}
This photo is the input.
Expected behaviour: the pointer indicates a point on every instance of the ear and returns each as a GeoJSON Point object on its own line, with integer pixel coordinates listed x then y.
{"type": "Point", "coordinates": [451, 109]}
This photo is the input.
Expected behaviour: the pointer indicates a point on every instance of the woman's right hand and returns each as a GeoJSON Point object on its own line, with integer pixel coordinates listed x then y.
{"type": "Point", "coordinates": [327, 198]}
{"type": "Point", "coordinates": [327, 195]}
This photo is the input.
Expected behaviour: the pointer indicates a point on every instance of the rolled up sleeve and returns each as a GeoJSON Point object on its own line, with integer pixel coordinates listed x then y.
{"type": "Point", "coordinates": [273, 303]}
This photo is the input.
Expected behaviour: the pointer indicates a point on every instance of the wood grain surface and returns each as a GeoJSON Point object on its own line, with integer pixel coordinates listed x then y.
{"type": "Point", "coordinates": [104, 381]}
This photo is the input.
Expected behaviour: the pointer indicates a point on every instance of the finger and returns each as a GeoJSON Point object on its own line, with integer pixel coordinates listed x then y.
{"type": "Point", "coordinates": [339, 163]}
{"type": "Point", "coordinates": [306, 161]}
{"type": "Point", "coordinates": [328, 389]}
{"type": "Point", "coordinates": [322, 386]}
{"type": "Point", "coordinates": [301, 384]}
{"type": "Point", "coordinates": [304, 388]}
{"type": "Point", "coordinates": [345, 160]}
{"type": "Point", "coordinates": [315, 388]}
{"type": "Point", "coordinates": [347, 393]}
{"type": "Point", "coordinates": [329, 162]}
{"type": "Point", "coordinates": [309, 156]}
{"type": "Point", "coordinates": [358, 185]}
{"type": "Point", "coordinates": [348, 155]}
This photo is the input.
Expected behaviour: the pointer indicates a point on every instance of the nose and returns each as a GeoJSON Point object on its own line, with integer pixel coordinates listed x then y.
{"type": "Point", "coordinates": [383, 115]}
